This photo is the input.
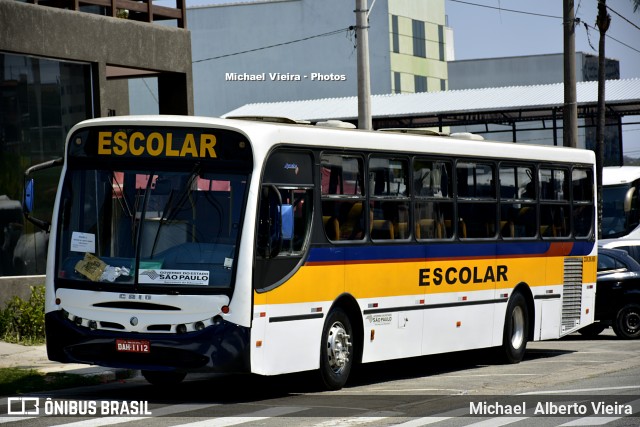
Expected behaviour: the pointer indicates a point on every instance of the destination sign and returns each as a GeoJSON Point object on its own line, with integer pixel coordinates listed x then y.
{"type": "Point", "coordinates": [156, 144]}
{"type": "Point", "coordinates": [160, 142]}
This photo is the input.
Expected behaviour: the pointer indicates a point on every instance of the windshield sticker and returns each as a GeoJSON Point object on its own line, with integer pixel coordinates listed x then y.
{"type": "Point", "coordinates": [93, 268]}
{"type": "Point", "coordinates": [83, 242]}
{"type": "Point", "coordinates": [174, 277]}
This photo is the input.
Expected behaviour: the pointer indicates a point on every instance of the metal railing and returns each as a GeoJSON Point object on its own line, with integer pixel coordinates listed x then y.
{"type": "Point", "coordinates": [142, 10]}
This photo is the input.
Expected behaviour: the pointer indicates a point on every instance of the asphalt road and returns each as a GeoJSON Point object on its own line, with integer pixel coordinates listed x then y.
{"type": "Point", "coordinates": [573, 381]}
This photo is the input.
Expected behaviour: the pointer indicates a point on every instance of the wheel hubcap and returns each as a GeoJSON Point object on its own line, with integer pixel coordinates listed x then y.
{"type": "Point", "coordinates": [338, 345]}
{"type": "Point", "coordinates": [632, 321]}
{"type": "Point", "coordinates": [517, 327]}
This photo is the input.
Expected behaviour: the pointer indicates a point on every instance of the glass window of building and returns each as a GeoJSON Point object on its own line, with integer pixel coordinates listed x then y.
{"type": "Point", "coordinates": [419, 39]}
{"type": "Point", "coordinates": [40, 100]}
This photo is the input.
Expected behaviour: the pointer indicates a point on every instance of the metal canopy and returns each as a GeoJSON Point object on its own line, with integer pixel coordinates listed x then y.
{"type": "Point", "coordinates": [487, 106]}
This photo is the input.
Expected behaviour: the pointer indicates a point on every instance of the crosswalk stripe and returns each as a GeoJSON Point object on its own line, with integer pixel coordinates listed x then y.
{"type": "Point", "coordinates": [497, 422]}
{"type": "Point", "coordinates": [362, 419]}
{"type": "Point", "coordinates": [4, 420]}
{"type": "Point", "coordinates": [596, 420]}
{"type": "Point", "coordinates": [424, 421]}
{"type": "Point", "coordinates": [245, 418]}
{"type": "Point", "coordinates": [165, 410]}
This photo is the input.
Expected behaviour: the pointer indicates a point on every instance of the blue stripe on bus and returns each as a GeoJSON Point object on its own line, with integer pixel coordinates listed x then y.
{"type": "Point", "coordinates": [370, 253]}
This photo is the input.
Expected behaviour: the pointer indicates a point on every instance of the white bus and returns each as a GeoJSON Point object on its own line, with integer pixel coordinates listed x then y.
{"type": "Point", "coordinates": [186, 244]}
{"type": "Point", "coordinates": [620, 209]}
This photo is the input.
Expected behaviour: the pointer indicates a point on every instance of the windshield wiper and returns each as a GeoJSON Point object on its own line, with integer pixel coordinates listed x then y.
{"type": "Point", "coordinates": [170, 212]}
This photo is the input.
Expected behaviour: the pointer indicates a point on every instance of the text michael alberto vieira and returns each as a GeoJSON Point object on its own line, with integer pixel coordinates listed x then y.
{"type": "Point", "coordinates": [284, 77]}
{"type": "Point", "coordinates": [551, 408]}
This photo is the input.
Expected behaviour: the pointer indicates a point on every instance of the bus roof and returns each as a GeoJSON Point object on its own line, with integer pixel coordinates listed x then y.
{"type": "Point", "coordinates": [271, 134]}
{"type": "Point", "coordinates": [612, 175]}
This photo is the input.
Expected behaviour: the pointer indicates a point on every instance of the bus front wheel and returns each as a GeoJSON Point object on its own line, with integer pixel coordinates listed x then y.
{"type": "Point", "coordinates": [516, 327]}
{"type": "Point", "coordinates": [336, 352]}
{"type": "Point", "coordinates": [163, 378]}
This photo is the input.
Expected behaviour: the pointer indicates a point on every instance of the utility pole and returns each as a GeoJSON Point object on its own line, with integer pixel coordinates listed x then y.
{"type": "Point", "coordinates": [570, 110]}
{"type": "Point", "coordinates": [362, 47]}
{"type": "Point", "coordinates": [602, 21]}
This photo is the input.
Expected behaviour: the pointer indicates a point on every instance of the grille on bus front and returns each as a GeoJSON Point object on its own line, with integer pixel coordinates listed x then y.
{"type": "Point", "coordinates": [571, 293]}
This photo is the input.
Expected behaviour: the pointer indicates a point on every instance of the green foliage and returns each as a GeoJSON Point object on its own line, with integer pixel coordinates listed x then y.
{"type": "Point", "coordinates": [17, 381]}
{"type": "Point", "coordinates": [23, 321]}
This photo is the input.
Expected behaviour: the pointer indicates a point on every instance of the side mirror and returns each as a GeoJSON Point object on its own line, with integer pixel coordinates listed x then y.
{"type": "Point", "coordinates": [28, 199]}
{"type": "Point", "coordinates": [628, 199]}
{"type": "Point", "coordinates": [27, 203]}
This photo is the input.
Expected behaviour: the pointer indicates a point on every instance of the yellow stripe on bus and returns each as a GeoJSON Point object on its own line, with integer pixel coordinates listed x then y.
{"type": "Point", "coordinates": [372, 280]}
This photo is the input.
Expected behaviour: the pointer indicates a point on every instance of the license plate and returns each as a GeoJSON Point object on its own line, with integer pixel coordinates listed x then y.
{"type": "Point", "coordinates": [133, 346]}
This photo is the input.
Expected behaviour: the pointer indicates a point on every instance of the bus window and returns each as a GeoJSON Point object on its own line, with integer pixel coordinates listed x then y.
{"type": "Point", "coordinates": [388, 187]}
{"type": "Point", "coordinates": [554, 202]}
{"type": "Point", "coordinates": [289, 174]}
{"type": "Point", "coordinates": [433, 202]}
{"type": "Point", "coordinates": [517, 201]}
{"type": "Point", "coordinates": [342, 185]}
{"type": "Point", "coordinates": [300, 202]}
{"type": "Point", "coordinates": [582, 208]}
{"type": "Point", "coordinates": [476, 200]}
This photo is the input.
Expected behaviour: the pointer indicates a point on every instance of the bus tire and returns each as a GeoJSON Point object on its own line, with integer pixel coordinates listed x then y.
{"type": "Point", "coordinates": [336, 350]}
{"type": "Point", "coordinates": [163, 378]}
{"type": "Point", "coordinates": [516, 329]}
{"type": "Point", "coordinates": [626, 325]}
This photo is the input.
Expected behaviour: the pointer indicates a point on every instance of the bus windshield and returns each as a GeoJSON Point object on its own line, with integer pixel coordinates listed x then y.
{"type": "Point", "coordinates": [616, 220]}
{"type": "Point", "coordinates": [138, 229]}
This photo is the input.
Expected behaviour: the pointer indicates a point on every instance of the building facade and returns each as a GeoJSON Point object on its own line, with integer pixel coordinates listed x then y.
{"type": "Point", "coordinates": [283, 50]}
{"type": "Point", "coordinates": [58, 66]}
{"type": "Point", "coordinates": [525, 70]}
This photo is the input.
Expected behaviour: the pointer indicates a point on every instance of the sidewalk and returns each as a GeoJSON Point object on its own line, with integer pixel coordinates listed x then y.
{"type": "Point", "coordinates": [35, 357]}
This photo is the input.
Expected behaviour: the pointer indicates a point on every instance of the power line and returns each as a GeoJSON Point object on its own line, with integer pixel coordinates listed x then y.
{"type": "Point", "coordinates": [578, 20]}
{"type": "Point", "coordinates": [507, 10]}
{"type": "Point", "coordinates": [330, 33]}
{"type": "Point", "coordinates": [623, 17]}
{"type": "Point", "coordinates": [608, 36]}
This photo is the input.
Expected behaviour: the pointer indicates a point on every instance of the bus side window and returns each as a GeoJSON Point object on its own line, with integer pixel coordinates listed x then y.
{"type": "Point", "coordinates": [582, 197]}
{"type": "Point", "coordinates": [297, 202]}
{"type": "Point", "coordinates": [554, 203]}
{"type": "Point", "coordinates": [343, 216]}
{"type": "Point", "coordinates": [389, 196]}
{"type": "Point", "coordinates": [433, 203]}
{"type": "Point", "coordinates": [517, 201]}
{"type": "Point", "coordinates": [477, 204]}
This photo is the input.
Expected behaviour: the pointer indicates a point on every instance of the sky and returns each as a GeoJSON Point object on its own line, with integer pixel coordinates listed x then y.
{"type": "Point", "coordinates": [488, 32]}
{"type": "Point", "coordinates": [499, 28]}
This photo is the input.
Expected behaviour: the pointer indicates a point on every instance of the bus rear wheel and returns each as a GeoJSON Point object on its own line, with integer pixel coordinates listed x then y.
{"type": "Point", "coordinates": [163, 378]}
{"type": "Point", "coordinates": [336, 351]}
{"type": "Point", "coordinates": [516, 328]}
